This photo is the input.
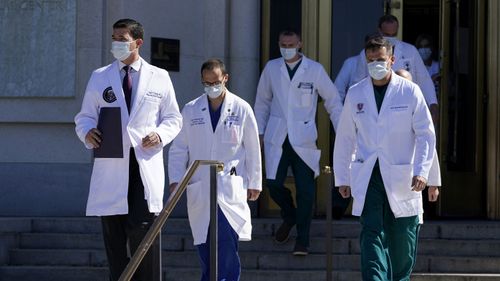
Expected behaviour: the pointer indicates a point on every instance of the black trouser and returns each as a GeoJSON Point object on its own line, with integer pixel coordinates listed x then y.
{"type": "Point", "coordinates": [122, 230]}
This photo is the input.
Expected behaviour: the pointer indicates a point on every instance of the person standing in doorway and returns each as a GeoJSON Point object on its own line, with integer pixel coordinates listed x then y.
{"type": "Point", "coordinates": [407, 57]}
{"type": "Point", "coordinates": [285, 108]}
{"type": "Point", "coordinates": [425, 47]}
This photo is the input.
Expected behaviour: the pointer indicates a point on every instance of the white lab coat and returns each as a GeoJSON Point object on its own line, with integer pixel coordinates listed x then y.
{"type": "Point", "coordinates": [347, 73]}
{"type": "Point", "coordinates": [154, 109]}
{"type": "Point", "coordinates": [235, 142]}
{"type": "Point", "coordinates": [284, 107]}
{"type": "Point", "coordinates": [406, 57]}
{"type": "Point", "coordinates": [355, 69]}
{"type": "Point", "coordinates": [435, 171]}
{"type": "Point", "coordinates": [401, 137]}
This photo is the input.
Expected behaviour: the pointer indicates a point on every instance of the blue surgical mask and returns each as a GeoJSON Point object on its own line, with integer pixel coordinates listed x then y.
{"type": "Point", "coordinates": [425, 53]}
{"type": "Point", "coordinates": [288, 53]}
{"type": "Point", "coordinates": [120, 50]}
{"type": "Point", "coordinates": [378, 69]}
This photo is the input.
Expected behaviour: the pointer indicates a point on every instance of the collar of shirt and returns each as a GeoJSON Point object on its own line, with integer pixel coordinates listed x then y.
{"type": "Point", "coordinates": [136, 65]}
{"type": "Point", "coordinates": [292, 65]}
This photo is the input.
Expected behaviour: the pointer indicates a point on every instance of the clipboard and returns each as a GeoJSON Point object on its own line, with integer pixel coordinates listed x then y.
{"type": "Point", "coordinates": [110, 125]}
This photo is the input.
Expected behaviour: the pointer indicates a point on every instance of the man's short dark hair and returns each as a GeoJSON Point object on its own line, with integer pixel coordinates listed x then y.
{"type": "Point", "coordinates": [212, 64]}
{"type": "Point", "coordinates": [372, 35]}
{"type": "Point", "coordinates": [387, 19]}
{"type": "Point", "coordinates": [377, 42]}
{"type": "Point", "coordinates": [290, 32]}
{"type": "Point", "coordinates": [134, 27]}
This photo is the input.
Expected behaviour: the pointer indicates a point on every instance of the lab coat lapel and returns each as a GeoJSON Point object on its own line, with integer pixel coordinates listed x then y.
{"type": "Point", "coordinates": [204, 108]}
{"type": "Point", "coordinates": [113, 74]}
{"type": "Point", "coordinates": [285, 83]}
{"type": "Point", "coordinates": [145, 75]}
{"type": "Point", "coordinates": [389, 93]}
{"type": "Point", "coordinates": [370, 98]}
{"type": "Point", "coordinates": [226, 108]}
{"type": "Point", "coordinates": [301, 70]}
{"type": "Point", "coordinates": [284, 71]}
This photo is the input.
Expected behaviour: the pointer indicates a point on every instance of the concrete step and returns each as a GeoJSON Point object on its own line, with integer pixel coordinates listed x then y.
{"type": "Point", "coordinates": [346, 228]}
{"type": "Point", "coordinates": [88, 241]}
{"type": "Point", "coordinates": [179, 242]}
{"type": "Point", "coordinates": [93, 225]}
{"type": "Point", "coordinates": [51, 273]}
{"type": "Point", "coordinates": [72, 249]}
{"type": "Point", "coordinates": [255, 260]}
{"type": "Point", "coordinates": [64, 273]}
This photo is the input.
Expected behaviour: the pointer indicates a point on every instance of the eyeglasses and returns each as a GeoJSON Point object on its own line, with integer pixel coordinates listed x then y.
{"type": "Point", "coordinates": [210, 84]}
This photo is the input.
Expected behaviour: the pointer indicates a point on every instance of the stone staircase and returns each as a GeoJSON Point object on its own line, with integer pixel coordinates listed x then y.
{"type": "Point", "coordinates": [71, 249]}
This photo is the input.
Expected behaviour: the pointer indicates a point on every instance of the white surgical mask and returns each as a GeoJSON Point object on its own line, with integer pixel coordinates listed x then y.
{"type": "Point", "coordinates": [214, 91]}
{"type": "Point", "coordinates": [288, 53]}
{"type": "Point", "coordinates": [378, 69]}
{"type": "Point", "coordinates": [120, 50]}
{"type": "Point", "coordinates": [392, 40]}
{"type": "Point", "coordinates": [425, 53]}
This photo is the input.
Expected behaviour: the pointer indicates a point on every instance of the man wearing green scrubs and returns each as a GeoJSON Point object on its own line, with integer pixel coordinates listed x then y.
{"type": "Point", "coordinates": [386, 124]}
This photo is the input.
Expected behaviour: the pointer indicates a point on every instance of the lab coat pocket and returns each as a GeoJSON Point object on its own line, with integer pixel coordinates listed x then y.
{"type": "Point", "coordinates": [306, 97]}
{"type": "Point", "coordinates": [400, 183]}
{"type": "Point", "coordinates": [274, 129]}
{"type": "Point", "coordinates": [305, 133]}
{"type": "Point", "coordinates": [231, 188]}
{"type": "Point", "coordinates": [231, 134]}
{"type": "Point", "coordinates": [401, 116]}
{"type": "Point", "coordinates": [154, 100]}
{"type": "Point", "coordinates": [355, 177]}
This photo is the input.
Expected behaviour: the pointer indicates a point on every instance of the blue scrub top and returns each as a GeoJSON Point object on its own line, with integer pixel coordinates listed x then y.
{"type": "Point", "coordinates": [214, 115]}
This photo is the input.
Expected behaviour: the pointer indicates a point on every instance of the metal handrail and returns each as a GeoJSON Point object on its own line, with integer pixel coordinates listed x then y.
{"type": "Point", "coordinates": [328, 171]}
{"type": "Point", "coordinates": [154, 230]}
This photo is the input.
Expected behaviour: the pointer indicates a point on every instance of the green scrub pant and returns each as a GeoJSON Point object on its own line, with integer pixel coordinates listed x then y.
{"type": "Point", "coordinates": [305, 187]}
{"type": "Point", "coordinates": [388, 244]}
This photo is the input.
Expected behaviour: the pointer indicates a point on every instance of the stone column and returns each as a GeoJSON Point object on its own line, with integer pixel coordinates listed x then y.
{"type": "Point", "coordinates": [244, 46]}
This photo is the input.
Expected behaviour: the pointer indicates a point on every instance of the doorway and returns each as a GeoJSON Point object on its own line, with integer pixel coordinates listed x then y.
{"type": "Point", "coordinates": [459, 31]}
{"type": "Point", "coordinates": [462, 98]}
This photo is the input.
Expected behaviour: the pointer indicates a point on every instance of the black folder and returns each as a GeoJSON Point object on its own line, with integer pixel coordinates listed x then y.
{"type": "Point", "coordinates": [110, 125]}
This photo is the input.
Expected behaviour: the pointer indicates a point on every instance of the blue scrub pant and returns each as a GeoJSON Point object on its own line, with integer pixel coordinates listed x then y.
{"type": "Point", "coordinates": [305, 187]}
{"type": "Point", "coordinates": [229, 267]}
{"type": "Point", "coordinates": [388, 244]}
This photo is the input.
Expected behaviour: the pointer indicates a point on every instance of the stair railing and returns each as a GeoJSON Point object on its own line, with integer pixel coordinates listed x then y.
{"type": "Point", "coordinates": [328, 171]}
{"type": "Point", "coordinates": [155, 229]}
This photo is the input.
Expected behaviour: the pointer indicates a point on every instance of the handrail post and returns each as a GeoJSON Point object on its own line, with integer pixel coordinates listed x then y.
{"type": "Point", "coordinates": [160, 220]}
{"type": "Point", "coordinates": [213, 224]}
{"type": "Point", "coordinates": [328, 171]}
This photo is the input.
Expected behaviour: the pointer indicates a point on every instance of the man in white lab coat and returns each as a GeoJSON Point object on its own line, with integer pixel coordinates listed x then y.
{"type": "Point", "coordinates": [127, 192]}
{"type": "Point", "coordinates": [407, 57]}
{"type": "Point", "coordinates": [219, 125]}
{"type": "Point", "coordinates": [285, 108]}
{"type": "Point", "coordinates": [387, 125]}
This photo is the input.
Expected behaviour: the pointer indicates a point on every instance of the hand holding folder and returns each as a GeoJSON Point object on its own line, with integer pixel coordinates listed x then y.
{"type": "Point", "coordinates": [110, 125]}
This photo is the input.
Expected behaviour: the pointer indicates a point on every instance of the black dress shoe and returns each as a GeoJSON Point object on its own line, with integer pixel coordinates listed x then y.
{"type": "Point", "coordinates": [300, 250]}
{"type": "Point", "coordinates": [283, 233]}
